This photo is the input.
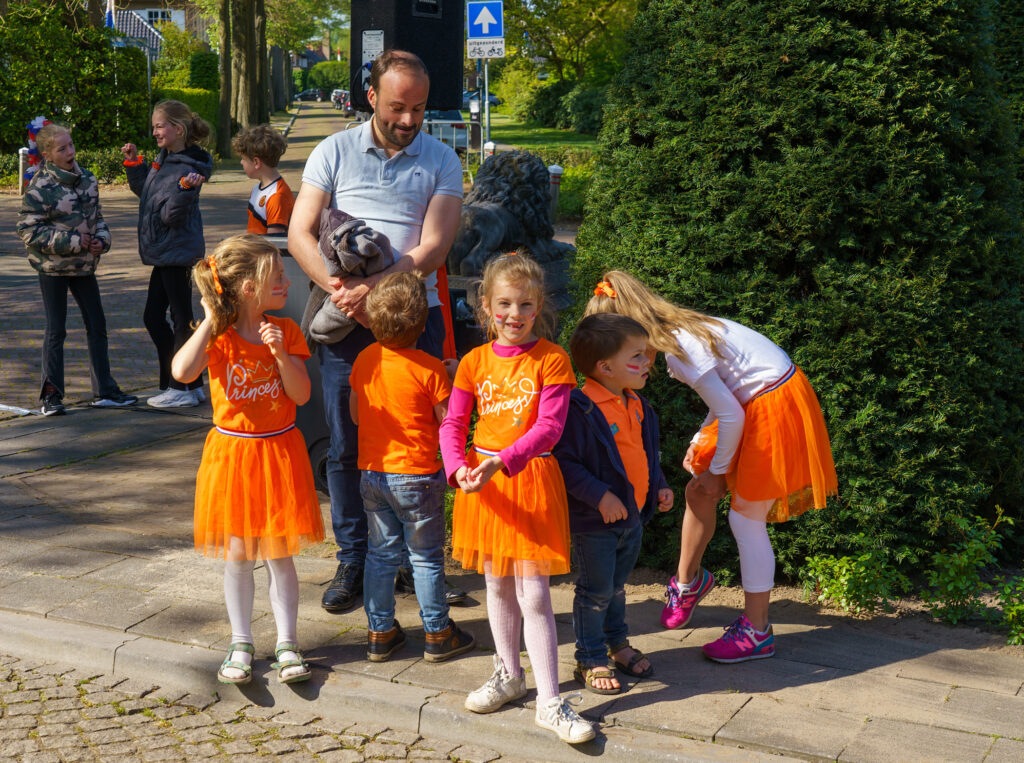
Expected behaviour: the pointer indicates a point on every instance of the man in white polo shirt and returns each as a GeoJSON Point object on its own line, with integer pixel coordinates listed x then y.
{"type": "Point", "coordinates": [407, 185]}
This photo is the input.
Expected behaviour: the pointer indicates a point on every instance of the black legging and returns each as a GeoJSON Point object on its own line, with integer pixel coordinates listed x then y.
{"type": "Point", "coordinates": [169, 287]}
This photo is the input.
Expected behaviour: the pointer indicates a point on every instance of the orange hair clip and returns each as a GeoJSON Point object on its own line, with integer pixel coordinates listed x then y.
{"type": "Point", "coordinates": [213, 269]}
{"type": "Point", "coordinates": [605, 288]}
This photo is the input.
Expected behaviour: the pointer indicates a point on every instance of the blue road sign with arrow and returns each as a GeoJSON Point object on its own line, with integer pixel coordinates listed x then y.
{"type": "Point", "coordinates": [485, 19]}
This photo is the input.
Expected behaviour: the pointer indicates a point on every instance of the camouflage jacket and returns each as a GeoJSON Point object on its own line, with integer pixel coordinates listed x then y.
{"type": "Point", "coordinates": [58, 207]}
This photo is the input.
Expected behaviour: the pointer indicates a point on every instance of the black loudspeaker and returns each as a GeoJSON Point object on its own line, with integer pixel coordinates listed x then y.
{"type": "Point", "coordinates": [435, 30]}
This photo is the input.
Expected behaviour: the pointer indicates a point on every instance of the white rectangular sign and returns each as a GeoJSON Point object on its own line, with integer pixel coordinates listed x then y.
{"type": "Point", "coordinates": [486, 48]}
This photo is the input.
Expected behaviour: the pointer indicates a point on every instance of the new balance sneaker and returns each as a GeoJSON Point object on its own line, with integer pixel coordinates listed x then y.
{"type": "Point", "coordinates": [116, 400]}
{"type": "Point", "coordinates": [52, 405]}
{"type": "Point", "coordinates": [500, 688]}
{"type": "Point", "coordinates": [174, 398]}
{"type": "Point", "coordinates": [557, 715]}
{"type": "Point", "coordinates": [680, 606]}
{"type": "Point", "coordinates": [741, 642]}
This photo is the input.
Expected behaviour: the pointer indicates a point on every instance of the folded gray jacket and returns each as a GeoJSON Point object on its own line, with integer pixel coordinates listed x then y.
{"type": "Point", "coordinates": [349, 247]}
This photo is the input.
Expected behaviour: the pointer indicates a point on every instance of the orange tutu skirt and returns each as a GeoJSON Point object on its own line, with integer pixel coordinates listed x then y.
{"type": "Point", "coordinates": [259, 490]}
{"type": "Point", "coordinates": [514, 525]}
{"type": "Point", "coordinates": [784, 455]}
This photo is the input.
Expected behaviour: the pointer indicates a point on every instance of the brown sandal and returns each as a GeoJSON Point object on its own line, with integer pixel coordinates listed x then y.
{"type": "Point", "coordinates": [586, 674]}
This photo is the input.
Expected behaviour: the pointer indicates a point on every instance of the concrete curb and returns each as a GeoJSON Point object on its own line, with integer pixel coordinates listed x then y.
{"type": "Point", "coordinates": [336, 694]}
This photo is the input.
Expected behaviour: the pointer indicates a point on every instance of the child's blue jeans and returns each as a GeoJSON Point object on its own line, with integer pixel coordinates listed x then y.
{"type": "Point", "coordinates": [404, 510]}
{"type": "Point", "coordinates": [604, 559]}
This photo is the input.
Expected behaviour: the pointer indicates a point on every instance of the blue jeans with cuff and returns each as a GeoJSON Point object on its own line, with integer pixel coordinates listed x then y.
{"type": "Point", "coordinates": [604, 559]}
{"type": "Point", "coordinates": [404, 511]}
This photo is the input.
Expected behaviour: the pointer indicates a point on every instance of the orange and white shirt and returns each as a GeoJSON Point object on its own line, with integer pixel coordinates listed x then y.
{"type": "Point", "coordinates": [396, 391]}
{"type": "Point", "coordinates": [270, 205]}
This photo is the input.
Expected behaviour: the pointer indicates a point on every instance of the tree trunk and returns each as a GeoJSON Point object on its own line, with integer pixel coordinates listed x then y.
{"type": "Point", "coordinates": [243, 58]}
{"type": "Point", "coordinates": [97, 13]}
{"type": "Point", "coordinates": [261, 105]}
{"type": "Point", "coordinates": [224, 69]}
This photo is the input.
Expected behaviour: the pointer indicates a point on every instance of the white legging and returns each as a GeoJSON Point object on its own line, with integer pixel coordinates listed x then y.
{"type": "Point", "coordinates": [240, 588]}
{"type": "Point", "coordinates": [757, 559]}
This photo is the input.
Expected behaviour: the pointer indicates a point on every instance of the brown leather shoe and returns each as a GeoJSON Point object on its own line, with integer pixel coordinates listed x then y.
{"type": "Point", "coordinates": [382, 644]}
{"type": "Point", "coordinates": [448, 643]}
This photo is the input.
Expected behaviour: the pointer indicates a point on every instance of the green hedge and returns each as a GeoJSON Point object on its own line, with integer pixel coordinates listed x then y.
{"type": "Point", "coordinates": [328, 75]}
{"type": "Point", "coordinates": [74, 77]}
{"type": "Point", "coordinates": [204, 70]}
{"type": "Point", "coordinates": [203, 102]}
{"type": "Point", "coordinates": [838, 175]}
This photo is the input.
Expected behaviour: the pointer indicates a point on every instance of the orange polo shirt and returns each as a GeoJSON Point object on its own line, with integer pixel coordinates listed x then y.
{"type": "Point", "coordinates": [626, 422]}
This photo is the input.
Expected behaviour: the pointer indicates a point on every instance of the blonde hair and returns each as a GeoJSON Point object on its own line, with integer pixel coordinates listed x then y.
{"type": "Point", "coordinates": [237, 260]}
{"type": "Point", "coordinates": [397, 309]}
{"type": "Point", "coordinates": [47, 136]}
{"type": "Point", "coordinates": [659, 316]}
{"type": "Point", "coordinates": [194, 128]}
{"type": "Point", "coordinates": [521, 270]}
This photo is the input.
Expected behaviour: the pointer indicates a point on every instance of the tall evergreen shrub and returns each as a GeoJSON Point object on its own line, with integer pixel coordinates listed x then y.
{"type": "Point", "coordinates": [839, 175]}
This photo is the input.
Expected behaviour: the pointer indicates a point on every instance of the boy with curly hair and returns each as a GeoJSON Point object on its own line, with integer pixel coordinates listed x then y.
{"type": "Point", "coordinates": [271, 200]}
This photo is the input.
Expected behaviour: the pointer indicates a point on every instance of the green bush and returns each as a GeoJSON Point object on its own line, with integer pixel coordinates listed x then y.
{"type": "Point", "coordinates": [516, 85]}
{"type": "Point", "coordinates": [544, 106]}
{"type": "Point", "coordinates": [838, 175]}
{"type": "Point", "coordinates": [299, 79]}
{"type": "Point", "coordinates": [1011, 600]}
{"type": "Point", "coordinates": [203, 70]}
{"type": "Point", "coordinates": [855, 584]}
{"type": "Point", "coordinates": [72, 76]}
{"type": "Point", "coordinates": [582, 109]}
{"type": "Point", "coordinates": [572, 193]}
{"type": "Point", "coordinates": [328, 75]}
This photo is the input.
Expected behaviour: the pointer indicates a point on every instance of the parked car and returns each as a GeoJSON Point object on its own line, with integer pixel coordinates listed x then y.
{"type": "Point", "coordinates": [342, 102]}
{"type": "Point", "coordinates": [448, 127]}
{"type": "Point", "coordinates": [312, 94]}
{"type": "Point", "coordinates": [474, 95]}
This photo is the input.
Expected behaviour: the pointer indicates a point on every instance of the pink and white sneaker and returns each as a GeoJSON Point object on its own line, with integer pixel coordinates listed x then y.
{"type": "Point", "coordinates": [741, 642]}
{"type": "Point", "coordinates": [681, 604]}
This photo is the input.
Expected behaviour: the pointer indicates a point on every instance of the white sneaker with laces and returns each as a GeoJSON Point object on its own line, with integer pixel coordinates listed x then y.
{"type": "Point", "coordinates": [500, 688]}
{"type": "Point", "coordinates": [557, 715]}
{"type": "Point", "coordinates": [174, 398]}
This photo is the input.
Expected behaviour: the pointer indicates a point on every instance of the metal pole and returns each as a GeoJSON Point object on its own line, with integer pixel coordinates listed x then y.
{"type": "Point", "coordinates": [487, 102]}
{"type": "Point", "coordinates": [22, 162]}
{"type": "Point", "coordinates": [555, 176]}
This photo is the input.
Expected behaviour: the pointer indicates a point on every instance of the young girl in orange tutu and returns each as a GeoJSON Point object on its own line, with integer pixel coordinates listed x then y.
{"type": "Point", "coordinates": [764, 440]}
{"type": "Point", "coordinates": [511, 519]}
{"type": "Point", "coordinates": [255, 497]}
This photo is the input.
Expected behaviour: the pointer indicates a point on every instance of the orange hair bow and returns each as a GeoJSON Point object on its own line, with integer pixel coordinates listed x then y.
{"type": "Point", "coordinates": [605, 288]}
{"type": "Point", "coordinates": [213, 269]}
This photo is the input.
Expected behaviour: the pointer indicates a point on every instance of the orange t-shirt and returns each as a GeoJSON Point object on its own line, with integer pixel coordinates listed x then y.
{"type": "Point", "coordinates": [245, 385]}
{"type": "Point", "coordinates": [507, 390]}
{"type": "Point", "coordinates": [396, 391]}
{"type": "Point", "coordinates": [270, 206]}
{"type": "Point", "coordinates": [627, 424]}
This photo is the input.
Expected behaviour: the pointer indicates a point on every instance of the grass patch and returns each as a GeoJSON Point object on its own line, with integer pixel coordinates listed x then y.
{"type": "Point", "coordinates": [505, 129]}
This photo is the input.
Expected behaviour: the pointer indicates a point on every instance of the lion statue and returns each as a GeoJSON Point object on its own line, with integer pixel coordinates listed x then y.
{"type": "Point", "coordinates": [507, 209]}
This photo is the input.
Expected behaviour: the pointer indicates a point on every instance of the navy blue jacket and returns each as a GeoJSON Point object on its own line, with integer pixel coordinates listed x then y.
{"type": "Point", "coordinates": [591, 466]}
{"type": "Point", "coordinates": [170, 226]}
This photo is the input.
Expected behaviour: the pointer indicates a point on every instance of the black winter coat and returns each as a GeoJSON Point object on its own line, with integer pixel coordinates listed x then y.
{"type": "Point", "coordinates": [170, 226]}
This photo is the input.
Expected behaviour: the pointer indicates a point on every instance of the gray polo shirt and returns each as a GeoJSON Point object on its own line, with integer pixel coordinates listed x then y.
{"type": "Point", "coordinates": [390, 194]}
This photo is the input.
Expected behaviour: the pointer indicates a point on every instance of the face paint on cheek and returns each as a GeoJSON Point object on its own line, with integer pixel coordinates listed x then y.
{"type": "Point", "coordinates": [498, 318]}
{"type": "Point", "coordinates": [634, 369]}
{"type": "Point", "coordinates": [277, 291]}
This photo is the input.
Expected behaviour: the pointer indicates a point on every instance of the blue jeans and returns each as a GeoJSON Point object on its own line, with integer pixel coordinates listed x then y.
{"type": "Point", "coordinates": [404, 511]}
{"type": "Point", "coordinates": [604, 559]}
{"type": "Point", "coordinates": [347, 516]}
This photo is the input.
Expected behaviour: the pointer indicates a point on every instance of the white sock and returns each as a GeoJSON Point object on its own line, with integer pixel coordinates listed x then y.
{"type": "Point", "coordinates": [534, 594]}
{"type": "Point", "coordinates": [505, 619]}
{"type": "Point", "coordinates": [284, 601]}
{"type": "Point", "coordinates": [239, 590]}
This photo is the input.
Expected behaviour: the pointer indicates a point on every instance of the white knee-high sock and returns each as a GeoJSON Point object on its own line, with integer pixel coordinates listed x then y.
{"type": "Point", "coordinates": [505, 619]}
{"type": "Point", "coordinates": [239, 590]}
{"type": "Point", "coordinates": [757, 558]}
{"type": "Point", "coordinates": [534, 594]}
{"type": "Point", "coordinates": [284, 596]}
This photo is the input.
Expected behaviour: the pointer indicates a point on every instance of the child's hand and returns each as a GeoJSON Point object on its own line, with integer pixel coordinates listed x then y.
{"type": "Point", "coordinates": [462, 478]}
{"type": "Point", "coordinates": [96, 245]}
{"type": "Point", "coordinates": [86, 241]}
{"type": "Point", "coordinates": [194, 179]}
{"type": "Point", "coordinates": [451, 365]}
{"type": "Point", "coordinates": [688, 458]}
{"type": "Point", "coordinates": [612, 508]}
{"type": "Point", "coordinates": [482, 474]}
{"type": "Point", "coordinates": [273, 337]}
{"type": "Point", "coordinates": [131, 153]}
{"type": "Point", "coordinates": [666, 499]}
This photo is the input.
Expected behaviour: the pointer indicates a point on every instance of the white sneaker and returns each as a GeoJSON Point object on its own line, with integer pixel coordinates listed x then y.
{"type": "Point", "coordinates": [500, 688]}
{"type": "Point", "coordinates": [557, 715]}
{"type": "Point", "coordinates": [174, 398]}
